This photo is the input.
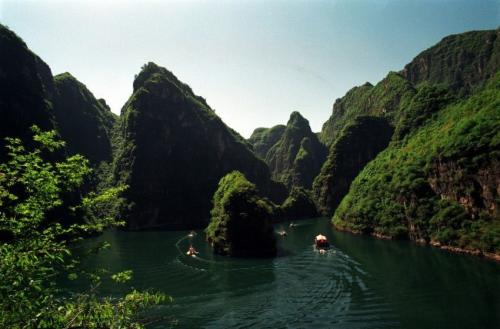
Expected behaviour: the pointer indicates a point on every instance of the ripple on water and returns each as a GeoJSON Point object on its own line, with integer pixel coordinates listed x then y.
{"type": "Point", "coordinates": [301, 289]}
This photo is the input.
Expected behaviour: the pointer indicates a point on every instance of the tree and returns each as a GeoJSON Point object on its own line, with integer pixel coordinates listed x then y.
{"type": "Point", "coordinates": [35, 248]}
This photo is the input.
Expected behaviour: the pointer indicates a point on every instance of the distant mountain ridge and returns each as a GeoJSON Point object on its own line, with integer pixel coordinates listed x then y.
{"type": "Point", "coordinates": [262, 139]}
{"type": "Point", "coordinates": [293, 152]}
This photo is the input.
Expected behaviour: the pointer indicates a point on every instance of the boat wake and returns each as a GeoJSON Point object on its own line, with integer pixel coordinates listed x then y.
{"type": "Point", "coordinates": [306, 289]}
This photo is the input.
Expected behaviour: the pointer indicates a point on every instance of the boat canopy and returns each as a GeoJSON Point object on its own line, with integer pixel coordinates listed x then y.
{"type": "Point", "coordinates": [320, 237]}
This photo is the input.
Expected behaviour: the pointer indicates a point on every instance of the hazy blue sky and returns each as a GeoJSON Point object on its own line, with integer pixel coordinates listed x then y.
{"type": "Point", "coordinates": [254, 61]}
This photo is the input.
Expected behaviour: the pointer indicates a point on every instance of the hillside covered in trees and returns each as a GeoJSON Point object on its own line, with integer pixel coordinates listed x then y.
{"type": "Point", "coordinates": [438, 180]}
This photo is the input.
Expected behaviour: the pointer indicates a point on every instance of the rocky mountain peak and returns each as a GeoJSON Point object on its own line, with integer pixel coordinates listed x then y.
{"type": "Point", "coordinates": [297, 121]}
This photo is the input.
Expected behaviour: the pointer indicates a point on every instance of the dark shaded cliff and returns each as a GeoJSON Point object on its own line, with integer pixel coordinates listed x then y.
{"type": "Point", "coordinates": [175, 150]}
{"type": "Point", "coordinates": [29, 95]}
{"type": "Point", "coordinates": [263, 139]}
{"type": "Point", "coordinates": [298, 155]}
{"type": "Point", "coordinates": [359, 143]}
{"type": "Point", "coordinates": [298, 205]}
{"type": "Point", "coordinates": [26, 88]}
{"type": "Point", "coordinates": [84, 122]}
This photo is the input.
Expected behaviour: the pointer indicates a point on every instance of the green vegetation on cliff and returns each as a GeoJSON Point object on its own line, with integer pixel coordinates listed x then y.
{"type": "Point", "coordinates": [241, 221]}
{"type": "Point", "coordinates": [36, 250]}
{"type": "Point", "coordinates": [461, 61]}
{"type": "Point", "coordinates": [438, 180]}
{"type": "Point", "coordinates": [438, 184]}
{"type": "Point", "coordinates": [383, 100]}
{"type": "Point", "coordinates": [298, 155]}
{"type": "Point", "coordinates": [263, 139]}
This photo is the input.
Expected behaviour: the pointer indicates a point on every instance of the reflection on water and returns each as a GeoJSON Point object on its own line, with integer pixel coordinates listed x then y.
{"type": "Point", "coordinates": [359, 283]}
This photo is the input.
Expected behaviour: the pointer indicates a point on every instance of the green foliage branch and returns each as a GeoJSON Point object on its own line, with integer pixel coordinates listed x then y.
{"type": "Point", "coordinates": [36, 249]}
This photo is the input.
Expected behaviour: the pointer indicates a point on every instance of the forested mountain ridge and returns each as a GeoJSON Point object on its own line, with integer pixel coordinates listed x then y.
{"type": "Point", "coordinates": [434, 183]}
{"type": "Point", "coordinates": [406, 100]}
{"type": "Point", "coordinates": [460, 62]}
{"type": "Point", "coordinates": [440, 184]}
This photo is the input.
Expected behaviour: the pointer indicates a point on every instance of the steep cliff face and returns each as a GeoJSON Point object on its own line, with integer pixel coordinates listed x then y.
{"type": "Point", "coordinates": [241, 221]}
{"type": "Point", "coordinates": [460, 61]}
{"type": "Point", "coordinates": [298, 155]}
{"type": "Point", "coordinates": [382, 100]}
{"type": "Point", "coordinates": [358, 144]}
{"type": "Point", "coordinates": [476, 191]}
{"type": "Point", "coordinates": [263, 139]}
{"type": "Point", "coordinates": [84, 122]}
{"type": "Point", "coordinates": [26, 87]}
{"type": "Point", "coordinates": [175, 150]}
{"type": "Point", "coordinates": [440, 184]}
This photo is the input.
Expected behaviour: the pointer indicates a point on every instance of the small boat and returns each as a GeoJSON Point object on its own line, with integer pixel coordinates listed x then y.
{"type": "Point", "coordinates": [292, 224]}
{"type": "Point", "coordinates": [191, 251]}
{"type": "Point", "coordinates": [282, 233]}
{"type": "Point", "coordinates": [321, 242]}
{"type": "Point", "coordinates": [191, 234]}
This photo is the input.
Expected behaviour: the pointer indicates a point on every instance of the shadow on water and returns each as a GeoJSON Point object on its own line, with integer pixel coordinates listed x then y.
{"type": "Point", "coordinates": [359, 283]}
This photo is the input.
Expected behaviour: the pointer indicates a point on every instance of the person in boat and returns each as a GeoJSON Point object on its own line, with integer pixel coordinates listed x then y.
{"type": "Point", "coordinates": [321, 242]}
{"type": "Point", "coordinates": [191, 251]}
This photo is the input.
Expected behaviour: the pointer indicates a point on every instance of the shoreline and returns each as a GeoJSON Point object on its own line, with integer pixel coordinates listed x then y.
{"type": "Point", "coordinates": [435, 244]}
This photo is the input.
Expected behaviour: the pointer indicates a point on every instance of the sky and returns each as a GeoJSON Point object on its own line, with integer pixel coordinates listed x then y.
{"type": "Point", "coordinates": [253, 61]}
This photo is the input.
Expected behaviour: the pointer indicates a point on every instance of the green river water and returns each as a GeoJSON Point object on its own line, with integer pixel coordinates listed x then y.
{"type": "Point", "coordinates": [361, 282]}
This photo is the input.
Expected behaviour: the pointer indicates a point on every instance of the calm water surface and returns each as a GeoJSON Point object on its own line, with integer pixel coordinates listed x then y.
{"type": "Point", "coordinates": [360, 283]}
